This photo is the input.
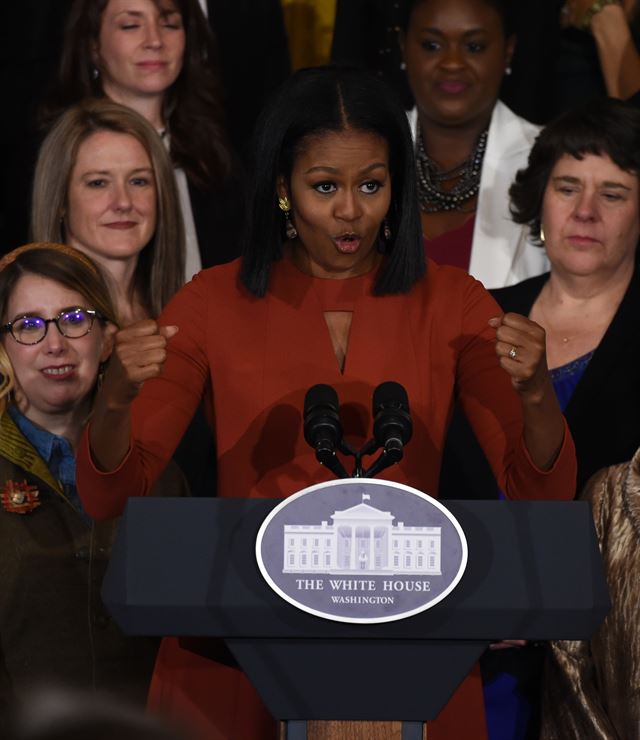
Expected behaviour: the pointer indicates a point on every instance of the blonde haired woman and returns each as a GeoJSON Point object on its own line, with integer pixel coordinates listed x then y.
{"type": "Point", "coordinates": [104, 184]}
{"type": "Point", "coordinates": [159, 58]}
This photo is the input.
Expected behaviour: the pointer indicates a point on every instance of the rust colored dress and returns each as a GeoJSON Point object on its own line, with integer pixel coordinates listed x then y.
{"type": "Point", "coordinates": [256, 358]}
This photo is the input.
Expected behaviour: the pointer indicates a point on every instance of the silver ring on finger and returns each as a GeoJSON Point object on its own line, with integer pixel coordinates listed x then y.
{"type": "Point", "coordinates": [513, 352]}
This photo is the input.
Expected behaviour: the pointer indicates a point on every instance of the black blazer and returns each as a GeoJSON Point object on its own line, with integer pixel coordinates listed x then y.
{"type": "Point", "coordinates": [603, 413]}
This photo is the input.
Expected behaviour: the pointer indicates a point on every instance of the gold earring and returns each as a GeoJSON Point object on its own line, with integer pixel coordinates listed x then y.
{"type": "Point", "coordinates": [541, 232]}
{"type": "Point", "coordinates": [284, 204]}
{"type": "Point", "coordinates": [289, 229]}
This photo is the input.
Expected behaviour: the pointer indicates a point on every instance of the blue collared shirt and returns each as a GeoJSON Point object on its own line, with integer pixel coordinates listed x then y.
{"type": "Point", "coordinates": [57, 453]}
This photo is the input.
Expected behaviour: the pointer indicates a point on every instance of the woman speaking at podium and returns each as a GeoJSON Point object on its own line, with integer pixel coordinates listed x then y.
{"type": "Point", "coordinates": [334, 288]}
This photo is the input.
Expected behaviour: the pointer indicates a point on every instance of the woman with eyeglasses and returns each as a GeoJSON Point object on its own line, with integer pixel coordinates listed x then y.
{"type": "Point", "coordinates": [57, 323]}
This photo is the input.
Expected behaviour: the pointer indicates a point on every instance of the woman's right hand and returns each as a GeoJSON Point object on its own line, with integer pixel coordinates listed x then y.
{"type": "Point", "coordinates": [139, 353]}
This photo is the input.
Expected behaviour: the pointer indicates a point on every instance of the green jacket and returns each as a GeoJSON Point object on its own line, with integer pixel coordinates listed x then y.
{"type": "Point", "coordinates": [53, 625]}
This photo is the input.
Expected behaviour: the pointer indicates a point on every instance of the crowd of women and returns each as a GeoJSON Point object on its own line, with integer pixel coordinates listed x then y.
{"type": "Point", "coordinates": [176, 300]}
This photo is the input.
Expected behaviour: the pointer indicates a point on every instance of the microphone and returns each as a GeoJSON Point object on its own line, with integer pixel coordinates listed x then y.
{"type": "Point", "coordinates": [392, 426]}
{"type": "Point", "coordinates": [322, 427]}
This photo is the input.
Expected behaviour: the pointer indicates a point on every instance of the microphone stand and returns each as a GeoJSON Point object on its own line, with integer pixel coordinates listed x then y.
{"type": "Point", "coordinates": [391, 454]}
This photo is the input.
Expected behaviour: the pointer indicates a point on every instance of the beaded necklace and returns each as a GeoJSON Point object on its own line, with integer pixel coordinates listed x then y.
{"type": "Point", "coordinates": [432, 198]}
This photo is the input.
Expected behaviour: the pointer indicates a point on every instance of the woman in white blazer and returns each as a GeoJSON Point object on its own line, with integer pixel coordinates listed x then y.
{"type": "Point", "coordinates": [469, 145]}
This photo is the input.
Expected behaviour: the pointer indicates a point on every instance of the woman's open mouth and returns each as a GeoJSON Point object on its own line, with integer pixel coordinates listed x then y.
{"type": "Point", "coordinates": [347, 243]}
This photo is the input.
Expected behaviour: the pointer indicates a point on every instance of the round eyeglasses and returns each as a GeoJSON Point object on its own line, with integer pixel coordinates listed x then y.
{"type": "Point", "coordinates": [72, 323]}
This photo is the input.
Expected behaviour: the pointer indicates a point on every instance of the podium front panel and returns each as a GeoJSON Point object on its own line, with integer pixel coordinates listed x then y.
{"type": "Point", "coordinates": [187, 567]}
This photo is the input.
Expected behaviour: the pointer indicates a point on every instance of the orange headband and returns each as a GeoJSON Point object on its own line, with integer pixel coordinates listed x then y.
{"type": "Point", "coordinates": [64, 248]}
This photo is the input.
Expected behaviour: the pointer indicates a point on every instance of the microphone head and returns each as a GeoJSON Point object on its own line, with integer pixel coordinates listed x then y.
{"type": "Point", "coordinates": [321, 415]}
{"type": "Point", "coordinates": [389, 394]}
{"type": "Point", "coordinates": [320, 395]}
{"type": "Point", "coordinates": [391, 418]}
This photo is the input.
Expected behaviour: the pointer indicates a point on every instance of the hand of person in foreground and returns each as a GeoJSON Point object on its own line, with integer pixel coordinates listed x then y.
{"type": "Point", "coordinates": [139, 353]}
{"type": "Point", "coordinates": [521, 349]}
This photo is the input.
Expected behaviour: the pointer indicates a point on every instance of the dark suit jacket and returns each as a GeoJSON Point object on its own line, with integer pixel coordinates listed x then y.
{"type": "Point", "coordinates": [602, 413]}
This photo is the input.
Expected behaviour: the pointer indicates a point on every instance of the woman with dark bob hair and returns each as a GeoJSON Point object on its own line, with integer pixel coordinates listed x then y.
{"type": "Point", "coordinates": [591, 687]}
{"type": "Point", "coordinates": [580, 198]}
{"type": "Point", "coordinates": [333, 289]}
{"type": "Point", "coordinates": [159, 58]}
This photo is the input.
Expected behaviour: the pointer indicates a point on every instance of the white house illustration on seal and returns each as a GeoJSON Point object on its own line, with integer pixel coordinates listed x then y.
{"type": "Point", "coordinates": [362, 538]}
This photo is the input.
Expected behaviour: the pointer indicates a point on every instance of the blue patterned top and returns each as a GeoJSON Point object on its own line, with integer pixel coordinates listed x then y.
{"type": "Point", "coordinates": [566, 377]}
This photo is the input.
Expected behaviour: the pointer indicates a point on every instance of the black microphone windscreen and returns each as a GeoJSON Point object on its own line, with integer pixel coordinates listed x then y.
{"type": "Point", "coordinates": [320, 395]}
{"type": "Point", "coordinates": [387, 394]}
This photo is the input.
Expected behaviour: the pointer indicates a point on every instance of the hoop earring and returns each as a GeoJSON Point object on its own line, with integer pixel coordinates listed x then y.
{"type": "Point", "coordinates": [289, 229]}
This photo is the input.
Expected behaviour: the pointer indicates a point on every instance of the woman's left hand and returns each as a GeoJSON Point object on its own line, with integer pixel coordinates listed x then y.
{"type": "Point", "coordinates": [521, 350]}
{"type": "Point", "coordinates": [520, 346]}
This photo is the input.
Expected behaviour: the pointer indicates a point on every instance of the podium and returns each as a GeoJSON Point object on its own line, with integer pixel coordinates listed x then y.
{"type": "Point", "coordinates": [187, 568]}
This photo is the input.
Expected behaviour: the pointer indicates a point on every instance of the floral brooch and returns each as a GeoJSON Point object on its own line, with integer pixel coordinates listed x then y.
{"type": "Point", "coordinates": [19, 498]}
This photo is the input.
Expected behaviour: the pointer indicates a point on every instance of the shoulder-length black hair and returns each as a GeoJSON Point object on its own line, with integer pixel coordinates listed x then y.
{"type": "Point", "coordinates": [313, 102]}
{"type": "Point", "coordinates": [603, 126]}
{"type": "Point", "coordinates": [193, 107]}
